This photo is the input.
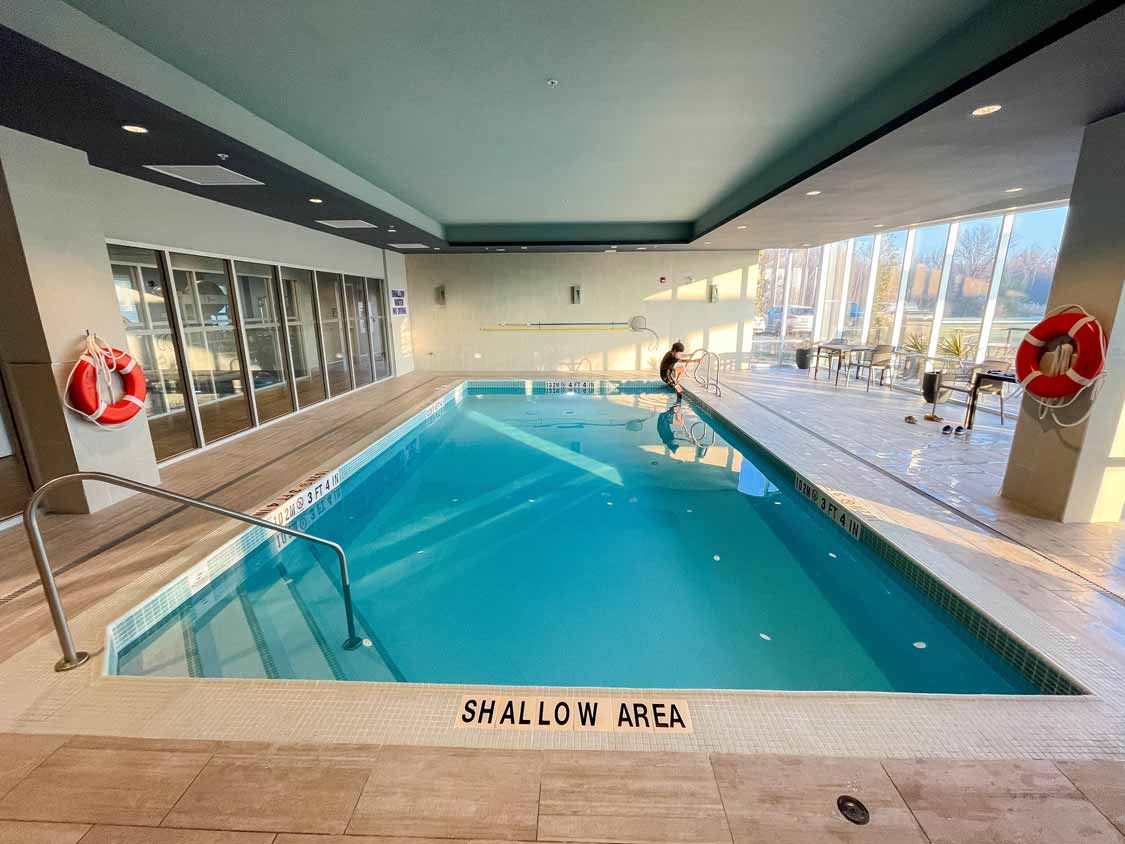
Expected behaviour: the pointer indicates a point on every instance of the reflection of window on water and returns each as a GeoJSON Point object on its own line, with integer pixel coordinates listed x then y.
{"type": "Point", "coordinates": [752, 482]}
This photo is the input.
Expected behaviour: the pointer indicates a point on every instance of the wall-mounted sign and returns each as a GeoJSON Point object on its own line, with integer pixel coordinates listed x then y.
{"type": "Point", "coordinates": [638, 715]}
{"type": "Point", "coordinates": [398, 302]}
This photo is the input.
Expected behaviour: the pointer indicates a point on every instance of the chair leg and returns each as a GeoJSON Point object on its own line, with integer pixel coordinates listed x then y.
{"type": "Point", "coordinates": [870, 369]}
{"type": "Point", "coordinates": [1001, 408]}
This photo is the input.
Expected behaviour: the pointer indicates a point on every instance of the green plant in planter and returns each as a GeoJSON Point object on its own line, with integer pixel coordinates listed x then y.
{"type": "Point", "coordinates": [915, 343]}
{"type": "Point", "coordinates": [954, 346]}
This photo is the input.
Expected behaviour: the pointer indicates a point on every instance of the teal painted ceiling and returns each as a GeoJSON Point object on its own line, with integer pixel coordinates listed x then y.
{"type": "Point", "coordinates": [670, 113]}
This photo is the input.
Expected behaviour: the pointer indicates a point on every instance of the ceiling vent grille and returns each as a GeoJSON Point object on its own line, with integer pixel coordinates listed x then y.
{"type": "Point", "coordinates": [348, 224]}
{"type": "Point", "coordinates": [209, 175]}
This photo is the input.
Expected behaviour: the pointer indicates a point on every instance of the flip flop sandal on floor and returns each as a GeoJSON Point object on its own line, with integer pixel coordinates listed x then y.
{"type": "Point", "coordinates": [910, 420]}
{"type": "Point", "coordinates": [931, 417]}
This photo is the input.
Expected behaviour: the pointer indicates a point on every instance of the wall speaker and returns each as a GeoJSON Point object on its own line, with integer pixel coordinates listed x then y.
{"type": "Point", "coordinates": [439, 295]}
{"type": "Point", "coordinates": [575, 295]}
{"type": "Point", "coordinates": [712, 293]}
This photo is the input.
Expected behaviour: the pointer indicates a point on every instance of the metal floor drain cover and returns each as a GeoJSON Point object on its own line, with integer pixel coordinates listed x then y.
{"type": "Point", "coordinates": [852, 809]}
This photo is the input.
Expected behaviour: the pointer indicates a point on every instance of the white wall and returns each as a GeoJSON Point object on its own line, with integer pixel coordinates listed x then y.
{"type": "Point", "coordinates": [483, 291]}
{"type": "Point", "coordinates": [402, 340]}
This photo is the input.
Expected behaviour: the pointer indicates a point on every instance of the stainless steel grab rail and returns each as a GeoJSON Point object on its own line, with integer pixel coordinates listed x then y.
{"type": "Point", "coordinates": [72, 658]}
{"type": "Point", "coordinates": [710, 380]}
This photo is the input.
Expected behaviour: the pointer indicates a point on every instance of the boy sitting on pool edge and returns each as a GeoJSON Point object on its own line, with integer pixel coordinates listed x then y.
{"type": "Point", "coordinates": [672, 366]}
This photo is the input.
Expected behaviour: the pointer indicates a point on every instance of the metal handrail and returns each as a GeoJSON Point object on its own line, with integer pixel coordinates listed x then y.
{"type": "Point", "coordinates": [710, 380]}
{"type": "Point", "coordinates": [72, 658]}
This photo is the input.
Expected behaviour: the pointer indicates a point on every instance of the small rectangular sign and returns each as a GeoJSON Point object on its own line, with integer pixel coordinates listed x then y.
{"type": "Point", "coordinates": [568, 386]}
{"type": "Point", "coordinates": [828, 505]}
{"type": "Point", "coordinates": [305, 497]}
{"type": "Point", "coordinates": [637, 715]}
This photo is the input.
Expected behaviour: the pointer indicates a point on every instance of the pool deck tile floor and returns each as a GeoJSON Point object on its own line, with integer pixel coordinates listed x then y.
{"type": "Point", "coordinates": [238, 761]}
{"type": "Point", "coordinates": [295, 795]}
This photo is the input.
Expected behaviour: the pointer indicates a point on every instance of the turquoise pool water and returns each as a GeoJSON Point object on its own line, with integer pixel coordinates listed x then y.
{"type": "Point", "coordinates": [575, 540]}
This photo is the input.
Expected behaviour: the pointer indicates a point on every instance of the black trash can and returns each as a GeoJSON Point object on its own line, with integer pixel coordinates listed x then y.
{"type": "Point", "coordinates": [804, 358]}
{"type": "Point", "coordinates": [932, 390]}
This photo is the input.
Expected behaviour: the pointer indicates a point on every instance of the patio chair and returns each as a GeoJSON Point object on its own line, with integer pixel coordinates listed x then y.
{"type": "Point", "coordinates": [828, 354]}
{"type": "Point", "coordinates": [991, 388]}
{"type": "Point", "coordinates": [881, 358]}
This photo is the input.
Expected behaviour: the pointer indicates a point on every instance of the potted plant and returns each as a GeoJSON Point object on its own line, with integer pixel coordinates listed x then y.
{"type": "Point", "coordinates": [916, 344]}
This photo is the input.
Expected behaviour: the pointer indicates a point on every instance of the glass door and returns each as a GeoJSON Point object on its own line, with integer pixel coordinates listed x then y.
{"type": "Point", "coordinates": [304, 342]}
{"type": "Point", "coordinates": [380, 333]}
{"type": "Point", "coordinates": [203, 290]}
{"type": "Point", "coordinates": [261, 320]}
{"type": "Point", "coordinates": [359, 326]}
{"type": "Point", "coordinates": [332, 332]}
{"type": "Point", "coordinates": [143, 305]}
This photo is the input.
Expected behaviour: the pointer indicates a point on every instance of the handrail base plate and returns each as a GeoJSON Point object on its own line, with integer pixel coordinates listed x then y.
{"type": "Point", "coordinates": [65, 665]}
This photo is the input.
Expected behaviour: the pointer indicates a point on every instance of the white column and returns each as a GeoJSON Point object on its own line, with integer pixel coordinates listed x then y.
{"type": "Point", "coordinates": [844, 288]}
{"type": "Point", "coordinates": [903, 280]}
{"type": "Point", "coordinates": [1077, 474]}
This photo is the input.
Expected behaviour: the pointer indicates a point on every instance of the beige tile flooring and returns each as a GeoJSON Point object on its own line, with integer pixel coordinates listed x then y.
{"type": "Point", "coordinates": [248, 777]}
{"type": "Point", "coordinates": [145, 792]}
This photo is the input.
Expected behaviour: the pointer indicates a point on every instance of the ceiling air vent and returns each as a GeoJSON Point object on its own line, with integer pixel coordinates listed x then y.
{"type": "Point", "coordinates": [211, 175]}
{"type": "Point", "coordinates": [348, 224]}
{"type": "Point", "coordinates": [408, 246]}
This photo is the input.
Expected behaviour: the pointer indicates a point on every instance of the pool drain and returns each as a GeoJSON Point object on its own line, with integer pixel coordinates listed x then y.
{"type": "Point", "coordinates": [852, 809]}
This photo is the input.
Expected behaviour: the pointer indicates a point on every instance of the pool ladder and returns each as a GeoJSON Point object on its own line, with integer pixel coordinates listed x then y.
{"type": "Point", "coordinates": [709, 380]}
{"type": "Point", "coordinates": [72, 658]}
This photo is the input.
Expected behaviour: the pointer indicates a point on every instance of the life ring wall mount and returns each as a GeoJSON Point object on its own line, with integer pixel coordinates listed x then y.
{"type": "Point", "coordinates": [90, 391]}
{"type": "Point", "coordinates": [1076, 345]}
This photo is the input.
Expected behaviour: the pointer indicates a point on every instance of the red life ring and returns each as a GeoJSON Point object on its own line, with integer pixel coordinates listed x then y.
{"type": "Point", "coordinates": [1086, 363]}
{"type": "Point", "coordinates": [84, 396]}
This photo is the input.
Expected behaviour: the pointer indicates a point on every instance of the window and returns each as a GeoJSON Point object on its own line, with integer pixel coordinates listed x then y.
{"type": "Point", "coordinates": [261, 322]}
{"type": "Point", "coordinates": [207, 313]}
{"type": "Point", "coordinates": [304, 343]}
{"type": "Point", "coordinates": [888, 278]}
{"type": "Point", "coordinates": [141, 300]}
{"type": "Point", "coordinates": [768, 307]}
{"type": "Point", "coordinates": [970, 277]}
{"type": "Point", "coordinates": [836, 256]}
{"type": "Point", "coordinates": [857, 288]}
{"type": "Point", "coordinates": [1021, 299]}
{"type": "Point", "coordinates": [332, 333]}
{"type": "Point", "coordinates": [802, 301]}
{"type": "Point", "coordinates": [922, 285]}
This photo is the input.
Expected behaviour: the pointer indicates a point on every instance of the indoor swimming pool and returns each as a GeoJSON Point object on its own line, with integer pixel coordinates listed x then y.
{"type": "Point", "coordinates": [556, 534]}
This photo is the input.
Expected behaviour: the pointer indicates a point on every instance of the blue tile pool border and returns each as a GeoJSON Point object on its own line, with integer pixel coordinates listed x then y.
{"type": "Point", "coordinates": [305, 499]}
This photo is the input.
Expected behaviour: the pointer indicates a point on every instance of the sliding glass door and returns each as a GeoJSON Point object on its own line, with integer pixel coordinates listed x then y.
{"type": "Point", "coordinates": [265, 356]}
{"type": "Point", "coordinates": [380, 333]}
{"type": "Point", "coordinates": [304, 341]}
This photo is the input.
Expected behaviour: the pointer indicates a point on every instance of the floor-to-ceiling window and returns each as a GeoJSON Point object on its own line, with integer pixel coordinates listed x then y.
{"type": "Point", "coordinates": [142, 303]}
{"type": "Point", "coordinates": [970, 278]}
{"type": "Point", "coordinates": [858, 281]}
{"type": "Point", "coordinates": [922, 284]}
{"type": "Point", "coordinates": [380, 329]}
{"type": "Point", "coordinates": [888, 280]}
{"type": "Point", "coordinates": [837, 258]}
{"type": "Point", "coordinates": [207, 313]}
{"type": "Point", "coordinates": [802, 301]}
{"type": "Point", "coordinates": [265, 354]}
{"type": "Point", "coordinates": [1025, 282]}
{"type": "Point", "coordinates": [330, 292]}
{"type": "Point", "coordinates": [304, 343]}
{"type": "Point", "coordinates": [768, 306]}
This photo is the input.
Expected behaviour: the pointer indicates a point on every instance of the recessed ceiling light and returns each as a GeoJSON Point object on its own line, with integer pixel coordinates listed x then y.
{"type": "Point", "coordinates": [812, 193]}
{"type": "Point", "coordinates": [551, 83]}
{"type": "Point", "coordinates": [640, 249]}
{"type": "Point", "coordinates": [523, 248]}
{"type": "Point", "coordinates": [806, 244]}
{"type": "Point", "coordinates": [879, 225]}
{"type": "Point", "coordinates": [1013, 190]}
{"type": "Point", "coordinates": [984, 110]}
{"type": "Point", "coordinates": [437, 248]}
{"type": "Point", "coordinates": [315, 200]}
{"type": "Point", "coordinates": [501, 250]}
{"type": "Point", "coordinates": [740, 228]}
{"type": "Point", "coordinates": [611, 251]}
{"type": "Point", "coordinates": [706, 243]}
{"type": "Point", "coordinates": [135, 129]}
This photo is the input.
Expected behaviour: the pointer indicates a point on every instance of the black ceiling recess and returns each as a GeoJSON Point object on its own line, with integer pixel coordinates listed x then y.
{"type": "Point", "coordinates": [44, 93]}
